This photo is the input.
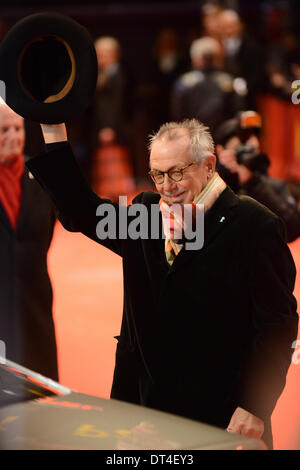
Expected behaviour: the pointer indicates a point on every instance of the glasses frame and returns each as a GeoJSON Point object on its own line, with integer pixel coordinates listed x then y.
{"type": "Point", "coordinates": [180, 169]}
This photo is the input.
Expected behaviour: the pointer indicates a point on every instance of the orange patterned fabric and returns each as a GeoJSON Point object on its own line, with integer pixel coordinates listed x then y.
{"type": "Point", "coordinates": [173, 216]}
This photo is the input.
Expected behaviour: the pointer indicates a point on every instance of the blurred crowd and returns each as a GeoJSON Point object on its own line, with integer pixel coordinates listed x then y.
{"type": "Point", "coordinates": [211, 74]}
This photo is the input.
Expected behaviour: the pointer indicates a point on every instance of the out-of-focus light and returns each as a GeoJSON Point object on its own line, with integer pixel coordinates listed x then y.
{"type": "Point", "coordinates": [240, 86]}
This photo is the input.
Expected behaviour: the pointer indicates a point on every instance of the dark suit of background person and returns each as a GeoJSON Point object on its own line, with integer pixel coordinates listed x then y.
{"type": "Point", "coordinates": [168, 63]}
{"type": "Point", "coordinates": [243, 56]}
{"type": "Point", "coordinates": [26, 324]}
{"type": "Point", "coordinates": [109, 106]}
{"type": "Point", "coordinates": [211, 332]}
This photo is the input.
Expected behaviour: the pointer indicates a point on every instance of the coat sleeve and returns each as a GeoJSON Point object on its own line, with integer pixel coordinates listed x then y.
{"type": "Point", "coordinates": [77, 206]}
{"type": "Point", "coordinates": [274, 319]}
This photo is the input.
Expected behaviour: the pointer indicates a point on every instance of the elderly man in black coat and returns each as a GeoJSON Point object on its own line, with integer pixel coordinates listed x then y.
{"type": "Point", "coordinates": [26, 226]}
{"type": "Point", "coordinates": [207, 329]}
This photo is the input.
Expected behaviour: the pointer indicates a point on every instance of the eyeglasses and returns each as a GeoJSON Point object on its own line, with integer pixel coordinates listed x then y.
{"type": "Point", "coordinates": [175, 174]}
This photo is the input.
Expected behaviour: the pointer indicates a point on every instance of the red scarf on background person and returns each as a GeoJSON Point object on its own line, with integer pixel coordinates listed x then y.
{"type": "Point", "coordinates": [11, 188]}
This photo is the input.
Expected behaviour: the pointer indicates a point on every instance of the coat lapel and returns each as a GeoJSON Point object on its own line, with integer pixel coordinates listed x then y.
{"type": "Point", "coordinates": [154, 249]}
{"type": "Point", "coordinates": [216, 219]}
{"type": "Point", "coordinates": [4, 219]}
{"type": "Point", "coordinates": [25, 202]}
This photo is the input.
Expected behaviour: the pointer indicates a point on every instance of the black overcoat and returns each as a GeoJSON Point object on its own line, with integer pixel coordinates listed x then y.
{"type": "Point", "coordinates": [210, 333]}
{"type": "Point", "coordinates": [26, 324]}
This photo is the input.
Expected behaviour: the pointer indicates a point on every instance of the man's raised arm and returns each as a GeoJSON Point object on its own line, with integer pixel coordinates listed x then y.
{"type": "Point", "coordinates": [59, 174]}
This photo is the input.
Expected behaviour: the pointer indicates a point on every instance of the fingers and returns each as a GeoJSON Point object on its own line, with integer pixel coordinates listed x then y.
{"type": "Point", "coordinates": [54, 133]}
{"type": "Point", "coordinates": [249, 431]}
{"type": "Point", "coordinates": [244, 423]}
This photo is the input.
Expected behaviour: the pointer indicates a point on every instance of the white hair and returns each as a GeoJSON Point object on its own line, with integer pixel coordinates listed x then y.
{"type": "Point", "coordinates": [201, 142]}
{"type": "Point", "coordinates": [204, 47]}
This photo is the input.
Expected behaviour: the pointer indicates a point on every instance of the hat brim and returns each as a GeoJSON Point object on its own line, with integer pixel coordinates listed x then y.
{"type": "Point", "coordinates": [81, 88]}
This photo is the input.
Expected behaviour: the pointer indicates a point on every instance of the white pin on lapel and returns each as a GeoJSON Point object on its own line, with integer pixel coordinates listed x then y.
{"type": "Point", "coordinates": [222, 219]}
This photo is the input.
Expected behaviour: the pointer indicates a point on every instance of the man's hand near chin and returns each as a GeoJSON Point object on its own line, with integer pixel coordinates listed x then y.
{"type": "Point", "coordinates": [53, 133]}
{"type": "Point", "coordinates": [245, 423]}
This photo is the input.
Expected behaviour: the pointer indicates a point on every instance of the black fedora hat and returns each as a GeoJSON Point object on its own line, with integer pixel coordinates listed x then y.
{"type": "Point", "coordinates": [48, 66]}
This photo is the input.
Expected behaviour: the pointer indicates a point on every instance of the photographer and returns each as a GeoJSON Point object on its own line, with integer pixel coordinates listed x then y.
{"type": "Point", "coordinates": [245, 169]}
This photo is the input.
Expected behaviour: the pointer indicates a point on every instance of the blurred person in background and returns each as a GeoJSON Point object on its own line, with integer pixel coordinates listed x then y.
{"type": "Point", "coordinates": [169, 62]}
{"type": "Point", "coordinates": [109, 107]}
{"type": "Point", "coordinates": [27, 220]}
{"type": "Point", "coordinates": [244, 168]}
{"type": "Point", "coordinates": [206, 93]}
{"type": "Point", "coordinates": [210, 20]}
{"type": "Point", "coordinates": [151, 107]}
{"type": "Point", "coordinates": [243, 57]}
{"type": "Point", "coordinates": [112, 173]}
{"type": "Point", "coordinates": [283, 66]}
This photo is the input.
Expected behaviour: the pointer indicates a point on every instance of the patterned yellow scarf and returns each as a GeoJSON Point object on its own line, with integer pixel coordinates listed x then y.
{"type": "Point", "coordinates": [207, 197]}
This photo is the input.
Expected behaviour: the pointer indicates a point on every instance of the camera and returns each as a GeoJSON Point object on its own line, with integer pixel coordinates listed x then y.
{"type": "Point", "coordinates": [252, 159]}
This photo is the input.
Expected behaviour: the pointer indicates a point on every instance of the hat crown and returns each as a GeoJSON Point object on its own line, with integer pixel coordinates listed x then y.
{"type": "Point", "coordinates": [49, 66]}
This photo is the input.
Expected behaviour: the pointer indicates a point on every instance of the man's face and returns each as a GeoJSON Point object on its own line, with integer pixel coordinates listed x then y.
{"type": "Point", "coordinates": [230, 26]}
{"type": "Point", "coordinates": [227, 153]}
{"type": "Point", "coordinates": [233, 143]}
{"type": "Point", "coordinates": [211, 24]}
{"type": "Point", "coordinates": [107, 55]}
{"type": "Point", "coordinates": [12, 134]}
{"type": "Point", "coordinates": [253, 141]}
{"type": "Point", "coordinates": [171, 154]}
